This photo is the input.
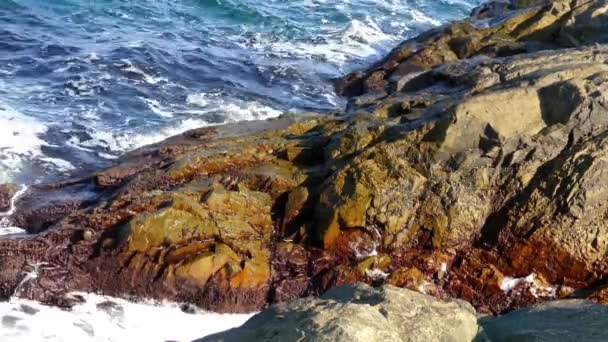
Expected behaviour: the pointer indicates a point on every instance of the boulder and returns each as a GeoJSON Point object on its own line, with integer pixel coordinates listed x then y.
{"type": "Point", "coordinates": [472, 165]}
{"type": "Point", "coordinates": [360, 313]}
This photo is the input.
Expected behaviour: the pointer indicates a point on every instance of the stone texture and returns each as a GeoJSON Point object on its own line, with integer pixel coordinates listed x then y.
{"type": "Point", "coordinates": [517, 27]}
{"type": "Point", "coordinates": [567, 320]}
{"type": "Point", "coordinates": [474, 166]}
{"type": "Point", "coordinates": [360, 313]}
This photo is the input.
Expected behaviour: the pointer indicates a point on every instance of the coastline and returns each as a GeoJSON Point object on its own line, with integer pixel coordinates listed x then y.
{"type": "Point", "coordinates": [469, 164]}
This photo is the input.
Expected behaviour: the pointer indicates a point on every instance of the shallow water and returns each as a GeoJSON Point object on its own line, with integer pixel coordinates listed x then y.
{"type": "Point", "coordinates": [82, 81]}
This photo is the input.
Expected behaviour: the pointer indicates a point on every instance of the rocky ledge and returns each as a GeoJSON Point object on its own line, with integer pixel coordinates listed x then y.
{"type": "Point", "coordinates": [471, 163]}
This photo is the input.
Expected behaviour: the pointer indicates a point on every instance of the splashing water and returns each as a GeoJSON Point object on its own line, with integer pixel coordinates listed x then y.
{"type": "Point", "coordinates": [106, 319]}
{"type": "Point", "coordinates": [83, 81]}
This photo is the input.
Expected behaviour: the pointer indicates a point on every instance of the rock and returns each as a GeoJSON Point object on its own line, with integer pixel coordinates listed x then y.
{"type": "Point", "coordinates": [472, 165]}
{"type": "Point", "coordinates": [360, 313]}
{"type": "Point", "coordinates": [7, 192]}
{"type": "Point", "coordinates": [517, 27]}
{"type": "Point", "coordinates": [568, 320]}
{"type": "Point", "coordinates": [369, 98]}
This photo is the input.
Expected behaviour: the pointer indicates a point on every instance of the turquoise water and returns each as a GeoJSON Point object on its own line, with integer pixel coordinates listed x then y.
{"type": "Point", "coordinates": [82, 81]}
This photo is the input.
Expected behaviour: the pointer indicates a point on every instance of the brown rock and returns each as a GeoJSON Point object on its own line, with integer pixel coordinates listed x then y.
{"type": "Point", "coordinates": [7, 192]}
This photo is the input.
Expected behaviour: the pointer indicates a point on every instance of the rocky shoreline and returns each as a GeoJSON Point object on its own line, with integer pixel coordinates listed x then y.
{"type": "Point", "coordinates": [471, 163]}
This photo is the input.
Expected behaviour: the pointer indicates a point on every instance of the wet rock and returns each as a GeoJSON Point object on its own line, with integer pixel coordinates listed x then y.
{"type": "Point", "coordinates": [28, 309]}
{"type": "Point", "coordinates": [7, 192]}
{"type": "Point", "coordinates": [9, 321]}
{"type": "Point", "coordinates": [360, 313]}
{"type": "Point", "coordinates": [546, 23]}
{"type": "Point", "coordinates": [111, 308]}
{"type": "Point", "coordinates": [188, 308]}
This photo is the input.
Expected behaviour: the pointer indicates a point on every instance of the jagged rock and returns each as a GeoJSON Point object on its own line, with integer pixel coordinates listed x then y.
{"type": "Point", "coordinates": [498, 28]}
{"type": "Point", "coordinates": [360, 313]}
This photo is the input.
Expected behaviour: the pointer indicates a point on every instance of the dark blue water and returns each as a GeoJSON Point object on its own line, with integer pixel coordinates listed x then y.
{"type": "Point", "coordinates": [82, 81]}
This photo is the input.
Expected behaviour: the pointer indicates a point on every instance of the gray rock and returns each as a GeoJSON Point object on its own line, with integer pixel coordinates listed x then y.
{"type": "Point", "coordinates": [567, 320]}
{"type": "Point", "coordinates": [360, 313]}
{"type": "Point", "coordinates": [369, 98]}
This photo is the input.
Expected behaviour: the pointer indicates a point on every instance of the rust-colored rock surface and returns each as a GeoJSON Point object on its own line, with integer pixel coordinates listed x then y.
{"type": "Point", "coordinates": [471, 163]}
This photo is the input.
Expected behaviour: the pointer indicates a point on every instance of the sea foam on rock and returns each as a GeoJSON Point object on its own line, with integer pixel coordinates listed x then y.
{"type": "Point", "coordinates": [478, 157]}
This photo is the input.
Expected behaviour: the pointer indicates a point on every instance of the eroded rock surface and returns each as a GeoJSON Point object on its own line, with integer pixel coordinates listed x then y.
{"type": "Point", "coordinates": [360, 313]}
{"type": "Point", "coordinates": [471, 163]}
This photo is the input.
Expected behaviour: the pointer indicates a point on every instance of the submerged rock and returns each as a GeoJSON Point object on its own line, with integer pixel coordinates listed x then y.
{"type": "Point", "coordinates": [471, 165]}
{"type": "Point", "coordinates": [360, 313]}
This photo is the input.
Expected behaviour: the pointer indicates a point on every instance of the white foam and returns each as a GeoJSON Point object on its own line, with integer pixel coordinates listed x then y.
{"type": "Point", "coordinates": [11, 230]}
{"type": "Point", "coordinates": [19, 132]}
{"type": "Point", "coordinates": [81, 87]}
{"type": "Point", "coordinates": [65, 68]}
{"type": "Point", "coordinates": [125, 141]}
{"type": "Point", "coordinates": [59, 164]}
{"type": "Point", "coordinates": [362, 254]}
{"type": "Point", "coordinates": [232, 109]}
{"type": "Point", "coordinates": [376, 274]}
{"type": "Point", "coordinates": [108, 319]}
{"type": "Point", "coordinates": [422, 18]}
{"type": "Point", "coordinates": [364, 32]}
{"type": "Point", "coordinates": [19, 140]}
{"type": "Point", "coordinates": [16, 196]}
{"type": "Point", "coordinates": [130, 67]}
{"type": "Point", "coordinates": [5, 227]}
{"type": "Point", "coordinates": [535, 286]}
{"type": "Point", "coordinates": [359, 39]}
{"type": "Point", "coordinates": [199, 105]}
{"type": "Point", "coordinates": [538, 288]}
{"type": "Point", "coordinates": [508, 283]}
{"type": "Point", "coordinates": [157, 108]}
{"type": "Point", "coordinates": [92, 57]}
